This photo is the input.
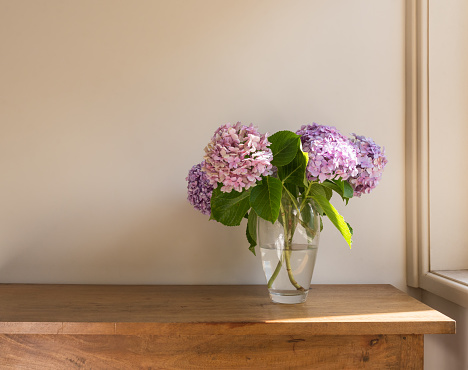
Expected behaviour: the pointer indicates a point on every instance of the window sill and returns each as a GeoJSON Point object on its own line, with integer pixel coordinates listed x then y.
{"type": "Point", "coordinates": [458, 276]}
{"type": "Point", "coordinates": [449, 284]}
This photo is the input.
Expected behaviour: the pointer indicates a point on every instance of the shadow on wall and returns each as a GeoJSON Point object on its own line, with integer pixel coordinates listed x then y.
{"type": "Point", "coordinates": [168, 244]}
{"type": "Point", "coordinates": [446, 351]}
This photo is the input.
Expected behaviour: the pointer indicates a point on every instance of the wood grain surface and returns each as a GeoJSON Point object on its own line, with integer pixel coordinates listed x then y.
{"type": "Point", "coordinates": [196, 310]}
{"type": "Point", "coordinates": [211, 351]}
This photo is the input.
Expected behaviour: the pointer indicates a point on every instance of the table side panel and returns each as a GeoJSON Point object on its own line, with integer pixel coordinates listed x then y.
{"type": "Point", "coordinates": [211, 351]}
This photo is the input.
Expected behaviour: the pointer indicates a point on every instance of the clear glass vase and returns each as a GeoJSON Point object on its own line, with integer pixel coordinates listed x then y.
{"type": "Point", "coordinates": [289, 249]}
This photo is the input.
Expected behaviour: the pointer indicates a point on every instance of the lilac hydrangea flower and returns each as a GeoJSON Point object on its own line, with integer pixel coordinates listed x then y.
{"type": "Point", "coordinates": [237, 156]}
{"type": "Point", "coordinates": [371, 163]}
{"type": "Point", "coordinates": [331, 155]}
{"type": "Point", "coordinates": [199, 189]}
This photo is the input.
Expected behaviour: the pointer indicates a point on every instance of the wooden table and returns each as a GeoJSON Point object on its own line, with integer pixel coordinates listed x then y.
{"type": "Point", "coordinates": [129, 327]}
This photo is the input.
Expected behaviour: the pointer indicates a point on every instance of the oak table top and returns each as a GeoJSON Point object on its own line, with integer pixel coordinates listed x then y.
{"type": "Point", "coordinates": [233, 309]}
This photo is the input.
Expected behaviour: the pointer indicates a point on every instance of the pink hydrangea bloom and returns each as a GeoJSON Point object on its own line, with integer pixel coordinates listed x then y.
{"type": "Point", "coordinates": [371, 163]}
{"type": "Point", "coordinates": [331, 155]}
{"type": "Point", "coordinates": [237, 156]}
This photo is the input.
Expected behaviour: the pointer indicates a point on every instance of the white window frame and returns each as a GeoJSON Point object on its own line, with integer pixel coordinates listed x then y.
{"type": "Point", "coordinates": [419, 273]}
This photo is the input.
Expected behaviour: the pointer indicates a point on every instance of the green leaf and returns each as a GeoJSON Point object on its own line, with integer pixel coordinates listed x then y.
{"type": "Point", "coordinates": [294, 171]}
{"type": "Point", "coordinates": [252, 242]}
{"type": "Point", "coordinates": [293, 189]}
{"type": "Point", "coordinates": [328, 192]}
{"type": "Point", "coordinates": [348, 190]}
{"type": "Point", "coordinates": [308, 221]}
{"type": "Point", "coordinates": [319, 188]}
{"type": "Point", "coordinates": [229, 208]}
{"type": "Point", "coordinates": [252, 224]}
{"type": "Point", "coordinates": [350, 229]}
{"type": "Point", "coordinates": [251, 231]}
{"type": "Point", "coordinates": [331, 185]}
{"type": "Point", "coordinates": [343, 188]}
{"type": "Point", "coordinates": [322, 191]}
{"type": "Point", "coordinates": [332, 214]}
{"type": "Point", "coordinates": [265, 198]}
{"type": "Point", "coordinates": [284, 145]}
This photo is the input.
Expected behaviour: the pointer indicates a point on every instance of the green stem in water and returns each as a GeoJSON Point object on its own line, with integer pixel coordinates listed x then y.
{"type": "Point", "coordinates": [275, 274]}
{"type": "Point", "coordinates": [288, 251]}
{"type": "Point", "coordinates": [287, 255]}
{"type": "Point", "coordinates": [289, 270]}
{"type": "Point", "coordinates": [280, 262]}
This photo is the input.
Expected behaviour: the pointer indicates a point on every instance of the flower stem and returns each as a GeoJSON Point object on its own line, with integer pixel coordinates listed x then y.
{"type": "Point", "coordinates": [275, 274]}
{"type": "Point", "coordinates": [289, 270]}
{"type": "Point", "coordinates": [304, 199]}
{"type": "Point", "coordinates": [303, 224]}
{"type": "Point", "coordinates": [287, 247]}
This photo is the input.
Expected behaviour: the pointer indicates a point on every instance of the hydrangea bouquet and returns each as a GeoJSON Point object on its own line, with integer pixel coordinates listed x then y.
{"type": "Point", "coordinates": [246, 174]}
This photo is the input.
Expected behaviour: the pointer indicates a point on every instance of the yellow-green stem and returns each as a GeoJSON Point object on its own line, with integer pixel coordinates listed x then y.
{"type": "Point", "coordinates": [287, 252]}
{"type": "Point", "coordinates": [275, 274]}
{"type": "Point", "coordinates": [293, 200]}
{"type": "Point", "coordinates": [304, 199]}
{"type": "Point", "coordinates": [289, 270]}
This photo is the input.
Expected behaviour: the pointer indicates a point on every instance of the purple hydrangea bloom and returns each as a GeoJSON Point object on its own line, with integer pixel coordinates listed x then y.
{"type": "Point", "coordinates": [331, 155]}
{"type": "Point", "coordinates": [199, 189]}
{"type": "Point", "coordinates": [237, 156]}
{"type": "Point", "coordinates": [371, 163]}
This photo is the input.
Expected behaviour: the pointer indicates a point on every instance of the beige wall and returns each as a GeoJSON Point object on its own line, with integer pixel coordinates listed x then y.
{"type": "Point", "coordinates": [105, 105]}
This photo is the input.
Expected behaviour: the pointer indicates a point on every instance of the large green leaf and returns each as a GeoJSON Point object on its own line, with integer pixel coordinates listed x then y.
{"type": "Point", "coordinates": [332, 214]}
{"type": "Point", "coordinates": [265, 198]}
{"type": "Point", "coordinates": [328, 192]}
{"type": "Point", "coordinates": [284, 145]}
{"type": "Point", "coordinates": [291, 188]}
{"type": "Point", "coordinates": [319, 189]}
{"type": "Point", "coordinates": [251, 231]}
{"type": "Point", "coordinates": [294, 171]}
{"type": "Point", "coordinates": [333, 186]}
{"type": "Point", "coordinates": [229, 208]}
{"type": "Point", "coordinates": [343, 188]}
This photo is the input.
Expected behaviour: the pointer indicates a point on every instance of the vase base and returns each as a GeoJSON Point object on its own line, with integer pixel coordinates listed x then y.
{"type": "Point", "coordinates": [287, 296]}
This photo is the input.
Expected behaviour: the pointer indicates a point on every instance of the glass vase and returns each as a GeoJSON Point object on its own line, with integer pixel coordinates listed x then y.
{"type": "Point", "coordinates": [289, 249]}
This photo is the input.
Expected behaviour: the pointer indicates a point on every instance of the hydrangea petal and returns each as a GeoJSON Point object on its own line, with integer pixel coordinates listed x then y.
{"type": "Point", "coordinates": [371, 163]}
{"type": "Point", "coordinates": [199, 189]}
{"type": "Point", "coordinates": [237, 156]}
{"type": "Point", "coordinates": [331, 155]}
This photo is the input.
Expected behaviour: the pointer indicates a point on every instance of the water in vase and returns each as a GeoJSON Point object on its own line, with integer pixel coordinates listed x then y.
{"type": "Point", "coordinates": [288, 272]}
